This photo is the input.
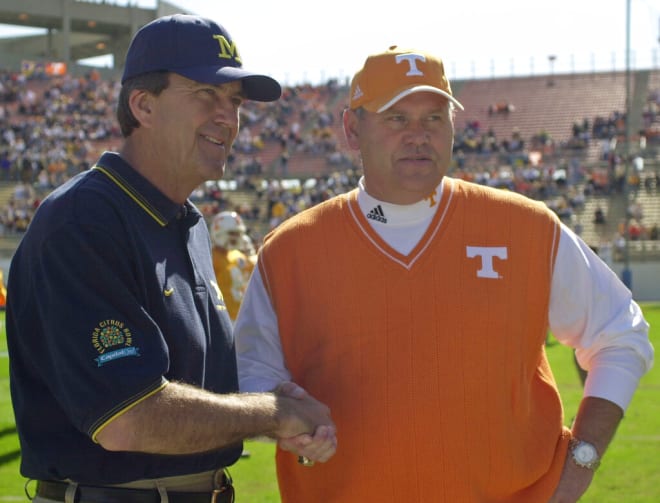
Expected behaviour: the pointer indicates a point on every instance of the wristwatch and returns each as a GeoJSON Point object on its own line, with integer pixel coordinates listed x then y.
{"type": "Point", "coordinates": [584, 454]}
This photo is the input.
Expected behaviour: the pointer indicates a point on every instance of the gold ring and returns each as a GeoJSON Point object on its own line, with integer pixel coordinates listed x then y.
{"type": "Point", "coordinates": [305, 461]}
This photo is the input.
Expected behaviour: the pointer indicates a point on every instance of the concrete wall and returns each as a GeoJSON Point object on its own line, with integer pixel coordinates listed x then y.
{"type": "Point", "coordinates": [645, 280]}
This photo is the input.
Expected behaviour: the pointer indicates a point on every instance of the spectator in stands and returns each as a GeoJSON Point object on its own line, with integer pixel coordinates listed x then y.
{"type": "Point", "coordinates": [116, 274]}
{"type": "Point", "coordinates": [653, 232]}
{"type": "Point", "coordinates": [635, 230]}
{"type": "Point", "coordinates": [619, 246]}
{"type": "Point", "coordinates": [5, 166]}
{"type": "Point", "coordinates": [399, 304]}
{"type": "Point", "coordinates": [635, 210]}
{"type": "Point", "coordinates": [501, 107]}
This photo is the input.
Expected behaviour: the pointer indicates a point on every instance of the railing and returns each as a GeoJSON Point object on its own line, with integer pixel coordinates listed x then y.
{"type": "Point", "coordinates": [639, 251]}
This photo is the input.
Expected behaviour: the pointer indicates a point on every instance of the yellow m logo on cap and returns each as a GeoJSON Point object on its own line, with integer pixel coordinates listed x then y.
{"type": "Point", "coordinates": [227, 50]}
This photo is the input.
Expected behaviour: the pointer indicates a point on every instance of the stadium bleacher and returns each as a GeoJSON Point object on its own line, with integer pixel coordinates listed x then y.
{"type": "Point", "coordinates": [571, 132]}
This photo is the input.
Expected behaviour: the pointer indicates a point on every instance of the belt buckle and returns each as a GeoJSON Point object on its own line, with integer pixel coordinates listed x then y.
{"type": "Point", "coordinates": [222, 486]}
{"type": "Point", "coordinates": [216, 492]}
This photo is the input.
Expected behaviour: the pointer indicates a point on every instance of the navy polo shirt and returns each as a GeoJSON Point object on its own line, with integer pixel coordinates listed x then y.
{"type": "Point", "coordinates": [112, 293]}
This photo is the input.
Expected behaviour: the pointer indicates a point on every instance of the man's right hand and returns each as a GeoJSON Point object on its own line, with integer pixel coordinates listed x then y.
{"type": "Point", "coordinates": [319, 447]}
{"type": "Point", "coordinates": [306, 427]}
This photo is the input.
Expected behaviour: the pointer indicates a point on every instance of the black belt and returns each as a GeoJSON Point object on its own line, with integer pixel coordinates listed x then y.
{"type": "Point", "coordinates": [97, 494]}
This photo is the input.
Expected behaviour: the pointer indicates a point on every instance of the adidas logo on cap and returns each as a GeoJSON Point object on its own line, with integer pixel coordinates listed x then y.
{"type": "Point", "coordinates": [357, 94]}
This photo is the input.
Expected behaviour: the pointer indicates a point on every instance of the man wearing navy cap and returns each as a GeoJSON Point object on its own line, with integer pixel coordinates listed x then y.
{"type": "Point", "coordinates": [122, 359]}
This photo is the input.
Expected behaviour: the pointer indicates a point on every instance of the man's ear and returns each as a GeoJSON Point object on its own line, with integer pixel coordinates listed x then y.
{"type": "Point", "coordinates": [141, 104]}
{"type": "Point", "coordinates": [350, 121]}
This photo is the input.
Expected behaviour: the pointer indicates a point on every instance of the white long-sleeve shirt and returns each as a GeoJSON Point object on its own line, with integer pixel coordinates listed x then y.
{"type": "Point", "coordinates": [590, 310]}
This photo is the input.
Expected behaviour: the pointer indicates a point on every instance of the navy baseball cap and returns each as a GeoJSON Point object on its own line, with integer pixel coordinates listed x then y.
{"type": "Point", "coordinates": [198, 49]}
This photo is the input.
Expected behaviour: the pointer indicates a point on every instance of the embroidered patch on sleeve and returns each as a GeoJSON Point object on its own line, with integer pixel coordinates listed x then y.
{"type": "Point", "coordinates": [113, 340]}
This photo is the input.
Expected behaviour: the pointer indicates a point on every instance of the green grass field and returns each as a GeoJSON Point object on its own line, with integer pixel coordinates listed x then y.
{"type": "Point", "coordinates": [629, 473]}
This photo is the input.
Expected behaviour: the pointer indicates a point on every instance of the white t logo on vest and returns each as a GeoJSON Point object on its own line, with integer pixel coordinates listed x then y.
{"type": "Point", "coordinates": [487, 253]}
{"type": "Point", "coordinates": [412, 62]}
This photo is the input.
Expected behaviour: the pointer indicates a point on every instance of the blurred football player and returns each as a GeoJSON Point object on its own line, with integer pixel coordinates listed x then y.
{"type": "Point", "coordinates": [232, 265]}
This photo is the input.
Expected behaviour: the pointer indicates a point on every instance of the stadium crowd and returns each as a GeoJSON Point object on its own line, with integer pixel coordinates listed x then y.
{"type": "Point", "coordinates": [54, 127]}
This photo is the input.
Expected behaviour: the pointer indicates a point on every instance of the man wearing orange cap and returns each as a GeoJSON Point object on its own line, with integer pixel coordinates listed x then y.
{"type": "Point", "coordinates": [417, 305]}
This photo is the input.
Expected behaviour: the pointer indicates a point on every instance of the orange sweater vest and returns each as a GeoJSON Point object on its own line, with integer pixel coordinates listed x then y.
{"type": "Point", "coordinates": [433, 364]}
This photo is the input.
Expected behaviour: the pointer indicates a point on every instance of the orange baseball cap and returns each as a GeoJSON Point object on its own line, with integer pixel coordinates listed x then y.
{"type": "Point", "coordinates": [389, 76]}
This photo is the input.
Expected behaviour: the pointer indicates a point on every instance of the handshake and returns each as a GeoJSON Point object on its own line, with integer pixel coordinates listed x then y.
{"type": "Point", "coordinates": [305, 426]}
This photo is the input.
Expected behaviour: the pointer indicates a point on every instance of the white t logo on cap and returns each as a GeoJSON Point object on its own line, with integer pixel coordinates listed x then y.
{"type": "Point", "coordinates": [412, 62]}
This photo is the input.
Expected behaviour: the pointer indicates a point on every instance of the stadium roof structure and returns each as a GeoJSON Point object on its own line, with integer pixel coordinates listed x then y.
{"type": "Point", "coordinates": [75, 29]}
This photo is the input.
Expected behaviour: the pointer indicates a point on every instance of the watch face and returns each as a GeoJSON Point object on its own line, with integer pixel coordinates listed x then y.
{"type": "Point", "coordinates": [585, 453]}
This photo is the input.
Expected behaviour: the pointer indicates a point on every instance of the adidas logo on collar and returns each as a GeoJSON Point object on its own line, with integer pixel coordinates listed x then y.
{"type": "Point", "coordinates": [377, 214]}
